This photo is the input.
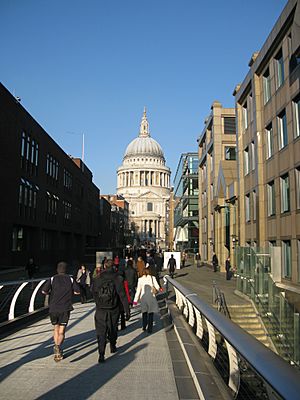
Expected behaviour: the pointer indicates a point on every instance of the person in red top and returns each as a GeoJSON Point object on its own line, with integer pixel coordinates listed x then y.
{"type": "Point", "coordinates": [116, 262]}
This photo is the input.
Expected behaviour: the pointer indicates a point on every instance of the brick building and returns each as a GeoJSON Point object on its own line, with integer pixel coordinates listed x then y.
{"type": "Point", "coordinates": [49, 206]}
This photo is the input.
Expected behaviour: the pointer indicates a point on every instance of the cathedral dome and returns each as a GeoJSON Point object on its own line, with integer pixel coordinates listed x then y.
{"type": "Point", "coordinates": [144, 145]}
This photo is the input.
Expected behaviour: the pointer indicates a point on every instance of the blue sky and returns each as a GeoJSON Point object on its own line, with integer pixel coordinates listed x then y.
{"type": "Point", "coordinates": [90, 67]}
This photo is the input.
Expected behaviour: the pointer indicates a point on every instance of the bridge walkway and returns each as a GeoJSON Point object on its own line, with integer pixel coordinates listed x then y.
{"type": "Point", "coordinates": [141, 369]}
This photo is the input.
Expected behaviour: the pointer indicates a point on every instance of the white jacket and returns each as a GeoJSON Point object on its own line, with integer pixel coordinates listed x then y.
{"type": "Point", "coordinates": [145, 295]}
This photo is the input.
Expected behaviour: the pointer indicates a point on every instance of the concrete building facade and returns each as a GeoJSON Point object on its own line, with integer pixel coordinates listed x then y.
{"type": "Point", "coordinates": [217, 184]}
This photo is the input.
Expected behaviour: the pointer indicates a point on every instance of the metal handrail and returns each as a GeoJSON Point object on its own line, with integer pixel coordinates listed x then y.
{"type": "Point", "coordinates": [219, 299]}
{"type": "Point", "coordinates": [20, 285]}
{"type": "Point", "coordinates": [277, 373]}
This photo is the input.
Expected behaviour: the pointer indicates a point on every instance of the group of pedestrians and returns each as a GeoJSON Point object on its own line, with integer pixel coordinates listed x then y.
{"type": "Point", "coordinates": [115, 288]}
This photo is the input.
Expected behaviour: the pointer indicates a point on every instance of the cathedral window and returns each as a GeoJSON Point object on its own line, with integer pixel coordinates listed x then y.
{"type": "Point", "coordinates": [149, 206]}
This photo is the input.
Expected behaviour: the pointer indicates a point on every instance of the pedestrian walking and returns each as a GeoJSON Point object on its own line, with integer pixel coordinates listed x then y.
{"type": "Point", "coordinates": [121, 273]}
{"type": "Point", "coordinates": [183, 259]}
{"type": "Point", "coordinates": [61, 288]}
{"type": "Point", "coordinates": [145, 293]}
{"type": "Point", "coordinates": [84, 281]}
{"type": "Point", "coordinates": [198, 260]}
{"type": "Point", "coordinates": [108, 292]}
{"type": "Point", "coordinates": [140, 266]}
{"type": "Point", "coordinates": [228, 269]}
{"type": "Point", "coordinates": [150, 264]}
{"type": "Point", "coordinates": [215, 262]}
{"type": "Point", "coordinates": [171, 265]}
{"type": "Point", "coordinates": [131, 278]}
{"type": "Point", "coordinates": [116, 262]}
{"type": "Point", "coordinates": [103, 262]}
{"type": "Point", "coordinates": [30, 268]}
{"type": "Point", "coordinates": [97, 271]}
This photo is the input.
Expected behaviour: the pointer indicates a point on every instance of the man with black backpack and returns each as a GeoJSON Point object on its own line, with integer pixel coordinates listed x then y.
{"type": "Point", "coordinates": [108, 292]}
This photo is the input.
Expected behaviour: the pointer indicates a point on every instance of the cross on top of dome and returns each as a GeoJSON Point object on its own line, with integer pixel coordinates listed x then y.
{"type": "Point", "coordinates": [144, 127]}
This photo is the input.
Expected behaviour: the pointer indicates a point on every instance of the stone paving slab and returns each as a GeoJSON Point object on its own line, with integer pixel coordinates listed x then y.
{"type": "Point", "coordinates": [141, 369]}
{"type": "Point", "coordinates": [201, 280]}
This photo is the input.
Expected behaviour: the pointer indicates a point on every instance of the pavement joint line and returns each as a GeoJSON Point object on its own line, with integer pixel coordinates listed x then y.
{"type": "Point", "coordinates": [196, 383]}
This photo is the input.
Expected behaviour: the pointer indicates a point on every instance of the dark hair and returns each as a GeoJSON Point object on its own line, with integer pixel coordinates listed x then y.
{"type": "Point", "coordinates": [62, 267]}
{"type": "Point", "coordinates": [145, 271]}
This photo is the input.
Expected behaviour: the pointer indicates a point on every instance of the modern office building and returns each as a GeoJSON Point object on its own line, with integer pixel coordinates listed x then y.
{"type": "Point", "coordinates": [144, 181]}
{"type": "Point", "coordinates": [49, 206]}
{"type": "Point", "coordinates": [268, 142]}
{"type": "Point", "coordinates": [268, 120]}
{"type": "Point", "coordinates": [217, 184]}
{"type": "Point", "coordinates": [186, 223]}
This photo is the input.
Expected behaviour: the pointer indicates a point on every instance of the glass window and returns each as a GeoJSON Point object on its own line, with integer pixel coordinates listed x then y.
{"type": "Point", "coordinates": [285, 193]}
{"type": "Point", "coordinates": [246, 161]}
{"type": "Point", "coordinates": [17, 239]}
{"type": "Point", "coordinates": [282, 130]}
{"type": "Point", "coordinates": [269, 141]}
{"type": "Point", "coordinates": [252, 147]}
{"type": "Point", "coordinates": [297, 178]}
{"type": "Point", "coordinates": [296, 117]}
{"type": "Point", "coordinates": [230, 153]}
{"type": "Point", "coordinates": [149, 206]}
{"type": "Point", "coordinates": [23, 144]}
{"type": "Point", "coordinates": [245, 116]}
{"type": "Point", "coordinates": [28, 148]}
{"type": "Point", "coordinates": [286, 258]}
{"type": "Point", "coordinates": [229, 125]}
{"type": "Point", "coordinates": [267, 85]}
{"type": "Point", "coordinates": [247, 208]}
{"type": "Point", "coordinates": [254, 204]}
{"type": "Point", "coordinates": [279, 69]}
{"type": "Point", "coordinates": [32, 151]}
{"type": "Point", "coordinates": [250, 101]}
{"type": "Point", "coordinates": [271, 198]}
{"type": "Point", "coordinates": [272, 243]}
{"type": "Point", "coordinates": [204, 225]}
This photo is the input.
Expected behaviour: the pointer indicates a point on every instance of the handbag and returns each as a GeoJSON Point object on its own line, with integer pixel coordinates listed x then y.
{"type": "Point", "coordinates": [153, 290]}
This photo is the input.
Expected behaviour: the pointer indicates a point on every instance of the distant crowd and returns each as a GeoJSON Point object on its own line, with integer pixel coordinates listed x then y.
{"type": "Point", "coordinates": [116, 285]}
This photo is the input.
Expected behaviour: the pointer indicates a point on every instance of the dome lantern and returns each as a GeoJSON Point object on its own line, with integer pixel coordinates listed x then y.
{"type": "Point", "coordinates": [144, 145]}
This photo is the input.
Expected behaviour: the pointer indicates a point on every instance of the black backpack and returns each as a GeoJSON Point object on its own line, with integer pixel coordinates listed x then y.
{"type": "Point", "coordinates": [107, 297]}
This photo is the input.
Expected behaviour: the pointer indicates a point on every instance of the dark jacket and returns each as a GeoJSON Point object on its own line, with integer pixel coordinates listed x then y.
{"type": "Point", "coordinates": [151, 265]}
{"type": "Point", "coordinates": [215, 260]}
{"type": "Point", "coordinates": [109, 274]}
{"type": "Point", "coordinates": [61, 288]}
{"type": "Point", "coordinates": [131, 276]}
{"type": "Point", "coordinates": [172, 262]}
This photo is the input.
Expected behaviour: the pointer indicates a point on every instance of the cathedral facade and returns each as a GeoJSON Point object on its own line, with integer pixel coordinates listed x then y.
{"type": "Point", "coordinates": [144, 181]}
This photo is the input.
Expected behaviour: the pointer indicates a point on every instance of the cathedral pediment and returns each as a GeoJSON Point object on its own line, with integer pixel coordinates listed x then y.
{"type": "Point", "coordinates": [150, 194]}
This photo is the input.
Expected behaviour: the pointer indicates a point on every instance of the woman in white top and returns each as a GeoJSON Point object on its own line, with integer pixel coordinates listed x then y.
{"type": "Point", "coordinates": [144, 293]}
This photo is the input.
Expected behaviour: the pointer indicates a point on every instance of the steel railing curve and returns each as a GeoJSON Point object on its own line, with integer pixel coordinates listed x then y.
{"type": "Point", "coordinates": [281, 379]}
{"type": "Point", "coordinates": [30, 300]}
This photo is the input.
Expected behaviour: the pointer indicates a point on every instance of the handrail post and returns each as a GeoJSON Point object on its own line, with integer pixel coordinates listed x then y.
{"type": "Point", "coordinates": [214, 292]}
